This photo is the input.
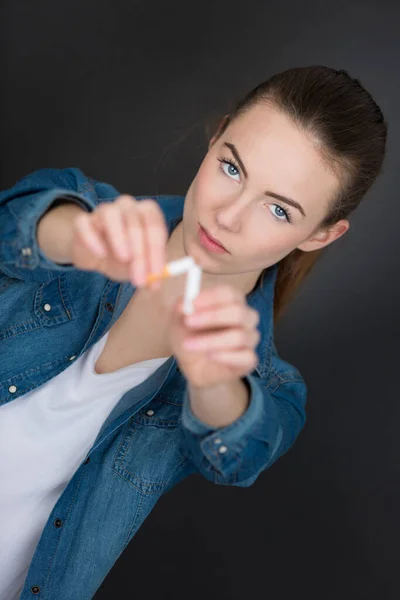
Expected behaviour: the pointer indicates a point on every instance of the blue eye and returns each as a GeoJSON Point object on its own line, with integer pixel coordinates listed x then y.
{"type": "Point", "coordinates": [234, 166]}
{"type": "Point", "coordinates": [225, 161]}
{"type": "Point", "coordinates": [286, 214]}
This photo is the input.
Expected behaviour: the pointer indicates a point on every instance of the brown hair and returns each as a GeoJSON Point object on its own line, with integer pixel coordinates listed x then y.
{"type": "Point", "coordinates": [350, 128]}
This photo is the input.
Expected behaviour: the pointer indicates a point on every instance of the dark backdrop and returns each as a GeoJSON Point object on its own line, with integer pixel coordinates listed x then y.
{"type": "Point", "coordinates": [124, 90]}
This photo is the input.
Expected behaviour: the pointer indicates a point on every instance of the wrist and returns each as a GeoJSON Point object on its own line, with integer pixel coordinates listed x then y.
{"type": "Point", "coordinates": [55, 232]}
{"type": "Point", "coordinates": [220, 405]}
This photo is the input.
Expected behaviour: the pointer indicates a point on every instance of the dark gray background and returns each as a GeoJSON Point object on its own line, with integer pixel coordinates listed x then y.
{"type": "Point", "coordinates": [124, 90]}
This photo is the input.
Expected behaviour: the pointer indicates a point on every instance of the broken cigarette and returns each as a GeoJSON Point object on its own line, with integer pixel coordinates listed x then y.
{"type": "Point", "coordinates": [193, 279]}
{"type": "Point", "coordinates": [175, 267]}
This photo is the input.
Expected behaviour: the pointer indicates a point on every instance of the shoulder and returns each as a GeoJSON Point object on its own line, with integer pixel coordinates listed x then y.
{"type": "Point", "coordinates": [71, 179]}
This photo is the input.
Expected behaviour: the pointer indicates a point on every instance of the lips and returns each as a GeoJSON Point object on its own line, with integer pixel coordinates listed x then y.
{"type": "Point", "coordinates": [213, 238]}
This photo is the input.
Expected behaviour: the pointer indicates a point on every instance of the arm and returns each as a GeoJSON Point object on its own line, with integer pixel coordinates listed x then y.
{"type": "Point", "coordinates": [235, 454]}
{"type": "Point", "coordinates": [54, 231]}
{"type": "Point", "coordinates": [220, 405]}
{"type": "Point", "coordinates": [22, 208]}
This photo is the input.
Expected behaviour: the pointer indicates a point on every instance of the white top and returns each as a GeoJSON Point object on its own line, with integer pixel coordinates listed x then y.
{"type": "Point", "coordinates": [44, 437]}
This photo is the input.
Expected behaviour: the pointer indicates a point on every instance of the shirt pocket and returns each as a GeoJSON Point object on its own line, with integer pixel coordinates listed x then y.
{"type": "Point", "coordinates": [150, 452]}
{"type": "Point", "coordinates": [27, 306]}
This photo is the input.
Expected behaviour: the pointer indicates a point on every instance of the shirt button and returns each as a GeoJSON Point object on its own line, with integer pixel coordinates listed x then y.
{"type": "Point", "coordinates": [217, 441]}
{"type": "Point", "coordinates": [12, 389]}
{"type": "Point", "coordinates": [150, 413]}
{"type": "Point", "coordinates": [47, 307]}
{"type": "Point", "coordinates": [222, 449]}
{"type": "Point", "coordinates": [109, 306]}
{"type": "Point", "coordinates": [72, 357]}
{"type": "Point", "coordinates": [35, 589]}
{"type": "Point", "coordinates": [58, 523]}
{"type": "Point", "coordinates": [26, 251]}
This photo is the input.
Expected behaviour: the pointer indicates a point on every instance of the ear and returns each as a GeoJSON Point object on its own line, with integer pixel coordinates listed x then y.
{"type": "Point", "coordinates": [218, 133]}
{"type": "Point", "coordinates": [324, 237]}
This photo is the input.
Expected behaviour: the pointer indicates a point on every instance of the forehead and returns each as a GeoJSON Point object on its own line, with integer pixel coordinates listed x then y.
{"type": "Point", "coordinates": [280, 157]}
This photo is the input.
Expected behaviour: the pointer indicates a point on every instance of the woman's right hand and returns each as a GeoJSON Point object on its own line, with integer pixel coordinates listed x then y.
{"type": "Point", "coordinates": [125, 240]}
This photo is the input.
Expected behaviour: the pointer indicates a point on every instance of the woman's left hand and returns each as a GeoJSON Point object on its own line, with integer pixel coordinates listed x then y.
{"type": "Point", "coordinates": [217, 342]}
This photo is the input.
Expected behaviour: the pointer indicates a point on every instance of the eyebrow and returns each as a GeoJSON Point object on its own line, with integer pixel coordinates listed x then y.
{"type": "Point", "coordinates": [284, 199]}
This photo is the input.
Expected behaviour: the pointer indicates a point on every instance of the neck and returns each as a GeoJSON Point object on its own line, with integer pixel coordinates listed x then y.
{"type": "Point", "coordinates": [244, 282]}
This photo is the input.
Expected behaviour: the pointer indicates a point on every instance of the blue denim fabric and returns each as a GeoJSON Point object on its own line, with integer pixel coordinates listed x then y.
{"type": "Point", "coordinates": [136, 457]}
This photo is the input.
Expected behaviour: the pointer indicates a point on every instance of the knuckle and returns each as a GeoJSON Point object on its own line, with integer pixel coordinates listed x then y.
{"type": "Point", "coordinates": [101, 207]}
{"type": "Point", "coordinates": [126, 199]}
{"type": "Point", "coordinates": [103, 211]}
{"type": "Point", "coordinates": [149, 205]}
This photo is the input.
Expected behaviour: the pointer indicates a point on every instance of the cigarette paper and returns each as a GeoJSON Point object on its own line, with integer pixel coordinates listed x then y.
{"type": "Point", "coordinates": [192, 289]}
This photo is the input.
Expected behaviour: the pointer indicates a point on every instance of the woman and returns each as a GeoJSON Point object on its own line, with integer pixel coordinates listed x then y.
{"type": "Point", "coordinates": [108, 397]}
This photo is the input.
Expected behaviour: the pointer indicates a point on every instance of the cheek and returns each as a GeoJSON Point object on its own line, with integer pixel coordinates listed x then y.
{"type": "Point", "coordinates": [206, 186]}
{"type": "Point", "coordinates": [273, 241]}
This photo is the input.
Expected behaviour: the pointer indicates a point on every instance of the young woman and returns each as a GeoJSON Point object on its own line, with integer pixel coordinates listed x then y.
{"type": "Point", "coordinates": [108, 398]}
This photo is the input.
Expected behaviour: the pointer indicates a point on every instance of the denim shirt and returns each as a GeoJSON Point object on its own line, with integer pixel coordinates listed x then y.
{"type": "Point", "coordinates": [50, 314]}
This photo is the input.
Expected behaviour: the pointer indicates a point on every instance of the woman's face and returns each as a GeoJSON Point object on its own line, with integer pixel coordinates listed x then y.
{"type": "Point", "coordinates": [241, 212]}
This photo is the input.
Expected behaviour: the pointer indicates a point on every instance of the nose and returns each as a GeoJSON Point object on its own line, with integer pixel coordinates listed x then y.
{"type": "Point", "coordinates": [231, 216]}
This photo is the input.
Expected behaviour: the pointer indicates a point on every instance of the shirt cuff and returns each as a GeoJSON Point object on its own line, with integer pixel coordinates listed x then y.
{"type": "Point", "coordinates": [239, 426]}
{"type": "Point", "coordinates": [224, 447]}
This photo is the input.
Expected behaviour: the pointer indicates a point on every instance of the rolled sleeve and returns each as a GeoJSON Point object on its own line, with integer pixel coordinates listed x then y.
{"type": "Point", "coordinates": [51, 200]}
{"type": "Point", "coordinates": [236, 454]}
{"type": "Point", "coordinates": [22, 207]}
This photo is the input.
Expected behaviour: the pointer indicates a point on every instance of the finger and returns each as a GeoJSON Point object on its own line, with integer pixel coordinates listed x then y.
{"type": "Point", "coordinates": [135, 232]}
{"type": "Point", "coordinates": [156, 235]}
{"type": "Point", "coordinates": [218, 295]}
{"type": "Point", "coordinates": [110, 222]}
{"type": "Point", "coordinates": [222, 340]}
{"type": "Point", "coordinates": [226, 316]}
{"type": "Point", "coordinates": [246, 360]}
{"type": "Point", "coordinates": [89, 236]}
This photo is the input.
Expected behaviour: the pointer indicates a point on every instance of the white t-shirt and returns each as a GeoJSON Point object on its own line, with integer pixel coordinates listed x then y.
{"type": "Point", "coordinates": [44, 437]}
